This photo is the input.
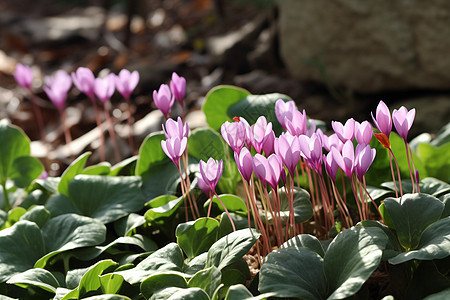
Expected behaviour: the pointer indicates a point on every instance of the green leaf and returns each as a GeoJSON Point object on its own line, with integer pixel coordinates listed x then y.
{"type": "Point", "coordinates": [75, 168]}
{"type": "Point", "coordinates": [167, 259]}
{"type": "Point", "coordinates": [14, 216]}
{"type": "Point", "coordinates": [232, 202]}
{"type": "Point", "coordinates": [442, 137]}
{"type": "Point", "coordinates": [445, 294]}
{"type": "Point", "coordinates": [436, 160]}
{"type": "Point", "coordinates": [102, 168]}
{"type": "Point", "coordinates": [376, 193]}
{"type": "Point", "coordinates": [303, 210]}
{"type": "Point", "coordinates": [180, 293]}
{"type": "Point", "coordinates": [160, 281]}
{"type": "Point", "coordinates": [230, 248]}
{"type": "Point", "coordinates": [162, 208]}
{"type": "Point", "coordinates": [20, 247]}
{"type": "Point", "coordinates": [429, 185]}
{"type": "Point", "coordinates": [254, 106]}
{"type": "Point", "coordinates": [107, 297]}
{"type": "Point", "coordinates": [393, 246]}
{"type": "Point", "coordinates": [411, 215]}
{"type": "Point", "coordinates": [446, 200]}
{"type": "Point", "coordinates": [37, 214]}
{"type": "Point", "coordinates": [305, 241]}
{"type": "Point", "coordinates": [127, 224]}
{"type": "Point", "coordinates": [434, 244]}
{"type": "Point", "coordinates": [207, 279]}
{"type": "Point", "coordinates": [14, 144]}
{"type": "Point", "coordinates": [24, 170]}
{"type": "Point", "coordinates": [197, 236]}
{"type": "Point", "coordinates": [111, 283]}
{"type": "Point", "coordinates": [151, 153]}
{"type": "Point", "coordinates": [218, 101]}
{"type": "Point", "coordinates": [70, 231]}
{"type": "Point", "coordinates": [104, 198]}
{"type": "Point", "coordinates": [40, 278]}
{"type": "Point", "coordinates": [240, 292]}
{"type": "Point", "coordinates": [293, 272]}
{"type": "Point", "coordinates": [126, 167]}
{"type": "Point", "coordinates": [351, 258]}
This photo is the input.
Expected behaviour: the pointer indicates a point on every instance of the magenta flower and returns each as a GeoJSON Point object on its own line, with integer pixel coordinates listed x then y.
{"type": "Point", "coordinates": [248, 132]}
{"type": "Point", "coordinates": [84, 80]}
{"type": "Point", "coordinates": [331, 167]}
{"type": "Point", "coordinates": [403, 120]}
{"type": "Point", "coordinates": [211, 172]}
{"type": "Point", "coordinates": [261, 130]}
{"type": "Point", "coordinates": [298, 125]}
{"type": "Point", "coordinates": [203, 186]}
{"type": "Point", "coordinates": [269, 144]}
{"type": "Point", "coordinates": [287, 147]}
{"type": "Point", "coordinates": [163, 99]}
{"type": "Point", "coordinates": [23, 76]}
{"type": "Point", "coordinates": [364, 157]}
{"type": "Point", "coordinates": [311, 127]}
{"type": "Point", "coordinates": [383, 119]}
{"type": "Point", "coordinates": [311, 148]}
{"type": "Point", "coordinates": [344, 132]}
{"type": "Point", "coordinates": [104, 87]}
{"type": "Point", "coordinates": [178, 87]}
{"type": "Point", "coordinates": [176, 129]}
{"type": "Point", "coordinates": [284, 110]}
{"type": "Point", "coordinates": [174, 148]}
{"type": "Point", "coordinates": [346, 158]}
{"type": "Point", "coordinates": [234, 134]}
{"type": "Point", "coordinates": [126, 82]}
{"type": "Point", "coordinates": [57, 87]}
{"type": "Point", "coordinates": [268, 170]}
{"type": "Point", "coordinates": [363, 132]}
{"type": "Point", "coordinates": [244, 162]}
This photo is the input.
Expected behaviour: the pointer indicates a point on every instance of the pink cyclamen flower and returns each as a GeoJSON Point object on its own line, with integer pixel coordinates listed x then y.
{"type": "Point", "coordinates": [178, 87]}
{"type": "Point", "coordinates": [104, 87]}
{"type": "Point", "coordinates": [269, 144]}
{"type": "Point", "coordinates": [284, 110]}
{"type": "Point", "coordinates": [211, 172]}
{"type": "Point", "coordinates": [364, 156]}
{"type": "Point", "coordinates": [345, 159]}
{"type": "Point", "coordinates": [84, 80]}
{"type": "Point", "coordinates": [176, 129]}
{"type": "Point", "coordinates": [298, 125]}
{"type": "Point", "coordinates": [344, 132]}
{"type": "Point", "coordinates": [126, 82]}
{"type": "Point", "coordinates": [203, 186]}
{"type": "Point", "coordinates": [312, 151]}
{"type": "Point", "coordinates": [311, 127]}
{"type": "Point", "coordinates": [174, 148]}
{"type": "Point", "coordinates": [363, 132]}
{"type": "Point", "coordinates": [163, 99]}
{"type": "Point", "coordinates": [383, 119]}
{"type": "Point", "coordinates": [403, 120]}
{"type": "Point", "coordinates": [57, 87]}
{"type": "Point", "coordinates": [261, 130]}
{"type": "Point", "coordinates": [244, 162]}
{"type": "Point", "coordinates": [268, 170]}
{"type": "Point", "coordinates": [287, 147]}
{"type": "Point", "coordinates": [234, 134]}
{"type": "Point", "coordinates": [331, 167]}
{"type": "Point", "coordinates": [23, 76]}
{"type": "Point", "coordinates": [248, 131]}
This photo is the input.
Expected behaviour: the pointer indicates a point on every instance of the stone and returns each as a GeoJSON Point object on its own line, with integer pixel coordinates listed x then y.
{"type": "Point", "coordinates": [367, 46]}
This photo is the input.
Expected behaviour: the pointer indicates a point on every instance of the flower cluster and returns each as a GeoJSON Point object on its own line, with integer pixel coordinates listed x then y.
{"type": "Point", "coordinates": [166, 96]}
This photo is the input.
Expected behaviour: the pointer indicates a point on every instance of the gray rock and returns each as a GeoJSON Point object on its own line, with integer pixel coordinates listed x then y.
{"type": "Point", "coordinates": [367, 46]}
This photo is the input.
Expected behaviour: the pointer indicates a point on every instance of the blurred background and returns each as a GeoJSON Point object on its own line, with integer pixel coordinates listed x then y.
{"type": "Point", "coordinates": [336, 59]}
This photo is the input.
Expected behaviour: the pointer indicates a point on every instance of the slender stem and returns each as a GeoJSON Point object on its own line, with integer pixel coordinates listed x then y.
{"type": "Point", "coordinates": [226, 210]}
{"type": "Point", "coordinates": [38, 115]}
{"type": "Point", "coordinates": [5, 193]}
{"type": "Point", "coordinates": [342, 205]}
{"type": "Point", "coordinates": [130, 127]}
{"type": "Point", "coordinates": [112, 133]}
{"type": "Point", "coordinates": [414, 170]}
{"type": "Point", "coordinates": [274, 217]}
{"type": "Point", "coordinates": [409, 166]}
{"type": "Point", "coordinates": [185, 193]}
{"type": "Point", "coordinates": [99, 126]}
{"type": "Point", "coordinates": [392, 172]}
{"type": "Point", "coordinates": [66, 129]}
{"type": "Point", "coordinates": [184, 197]}
{"type": "Point", "coordinates": [361, 217]}
{"type": "Point", "coordinates": [398, 173]}
{"type": "Point", "coordinates": [373, 201]}
{"type": "Point", "coordinates": [192, 199]}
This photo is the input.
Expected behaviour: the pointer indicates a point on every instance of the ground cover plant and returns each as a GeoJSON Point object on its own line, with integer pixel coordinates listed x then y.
{"type": "Point", "coordinates": [263, 203]}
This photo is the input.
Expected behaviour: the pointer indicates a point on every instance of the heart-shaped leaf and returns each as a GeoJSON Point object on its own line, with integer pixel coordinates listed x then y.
{"type": "Point", "coordinates": [197, 236]}
{"type": "Point", "coordinates": [239, 291]}
{"type": "Point", "coordinates": [160, 281]}
{"type": "Point", "coordinates": [35, 277]}
{"type": "Point", "coordinates": [180, 293]}
{"type": "Point", "coordinates": [75, 168]}
{"type": "Point", "coordinates": [232, 202]}
{"type": "Point", "coordinates": [429, 185]}
{"type": "Point", "coordinates": [20, 247]}
{"type": "Point", "coordinates": [37, 214]}
{"type": "Point", "coordinates": [305, 241]}
{"type": "Point", "coordinates": [434, 244]}
{"type": "Point", "coordinates": [125, 225]}
{"type": "Point", "coordinates": [230, 248]}
{"type": "Point", "coordinates": [70, 231]}
{"type": "Point", "coordinates": [218, 101]}
{"type": "Point", "coordinates": [151, 153]}
{"type": "Point", "coordinates": [411, 215]}
{"type": "Point", "coordinates": [111, 283]}
{"type": "Point", "coordinates": [24, 170]}
{"type": "Point", "coordinates": [102, 168]}
{"type": "Point", "coordinates": [167, 259]}
{"type": "Point", "coordinates": [208, 280]}
{"type": "Point", "coordinates": [436, 160]}
{"type": "Point", "coordinates": [293, 272]}
{"type": "Point", "coordinates": [351, 258]}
